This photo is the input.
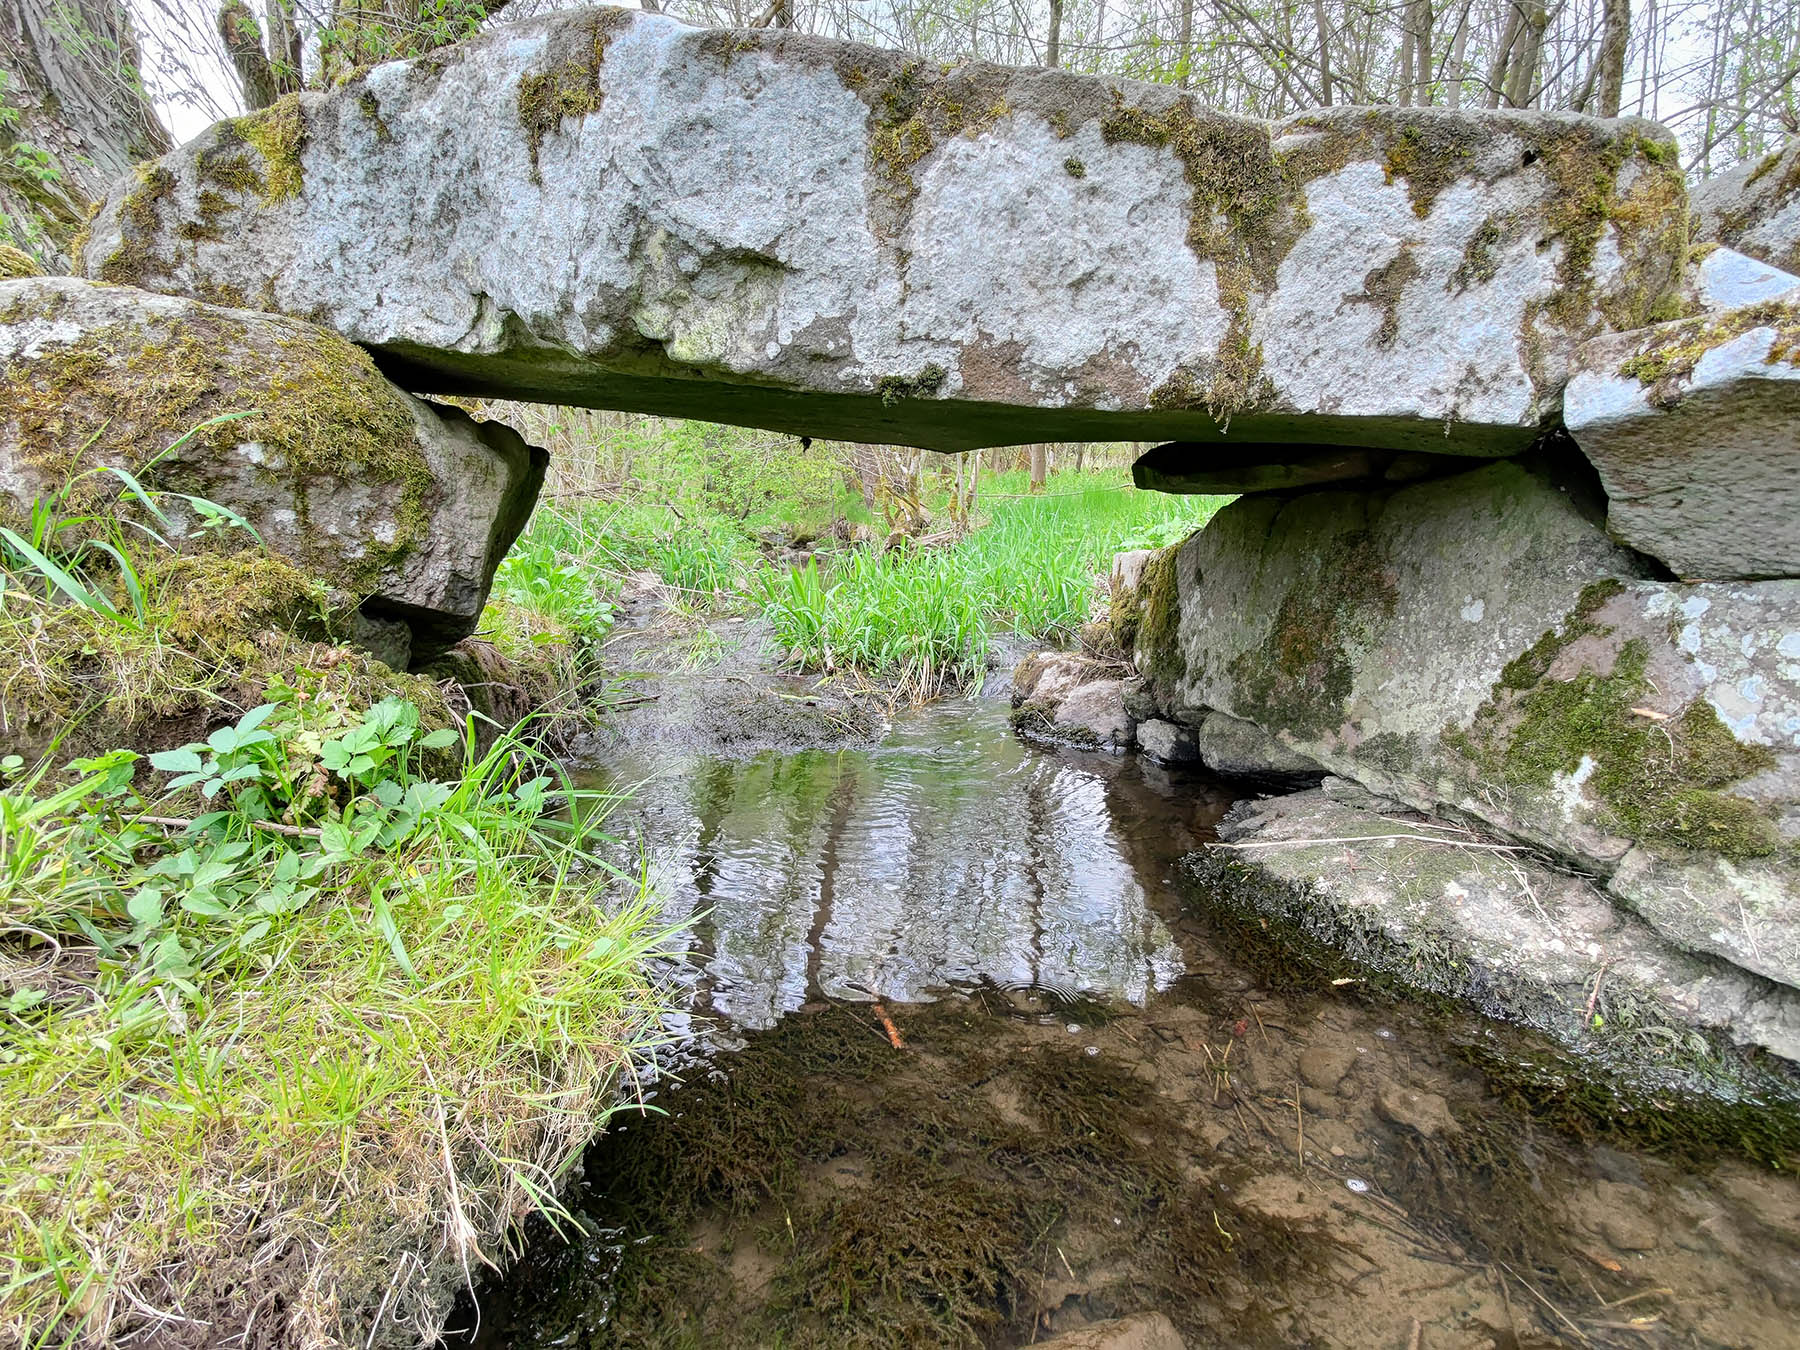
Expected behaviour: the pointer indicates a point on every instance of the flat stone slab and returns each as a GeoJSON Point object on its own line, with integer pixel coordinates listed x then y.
{"type": "Point", "coordinates": [1754, 208]}
{"type": "Point", "coordinates": [1455, 913]}
{"type": "Point", "coordinates": [1695, 430]}
{"type": "Point", "coordinates": [610, 208]}
{"type": "Point", "coordinates": [405, 506]}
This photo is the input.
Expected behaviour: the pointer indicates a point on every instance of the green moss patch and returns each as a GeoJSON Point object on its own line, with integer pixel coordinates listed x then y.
{"type": "Point", "coordinates": [1669, 357]}
{"type": "Point", "coordinates": [1156, 622]}
{"type": "Point", "coordinates": [1302, 677]}
{"type": "Point", "coordinates": [569, 87]}
{"type": "Point", "coordinates": [1660, 780]}
{"type": "Point", "coordinates": [278, 134]}
{"type": "Point", "coordinates": [315, 402]}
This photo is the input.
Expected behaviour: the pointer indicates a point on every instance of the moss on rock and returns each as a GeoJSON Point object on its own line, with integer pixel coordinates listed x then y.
{"type": "Point", "coordinates": [1157, 635]}
{"type": "Point", "coordinates": [278, 134]}
{"type": "Point", "coordinates": [125, 392]}
{"type": "Point", "coordinates": [1302, 677]}
{"type": "Point", "coordinates": [1658, 779]}
{"type": "Point", "coordinates": [569, 87]}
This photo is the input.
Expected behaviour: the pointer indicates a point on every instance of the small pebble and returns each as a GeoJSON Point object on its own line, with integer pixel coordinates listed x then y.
{"type": "Point", "coordinates": [1356, 1184]}
{"type": "Point", "coordinates": [1385, 1034]}
{"type": "Point", "coordinates": [1092, 1050]}
{"type": "Point", "coordinates": [1073, 1028]}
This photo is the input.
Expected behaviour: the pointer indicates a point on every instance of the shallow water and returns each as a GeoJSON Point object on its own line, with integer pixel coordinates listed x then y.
{"type": "Point", "coordinates": [1107, 1098]}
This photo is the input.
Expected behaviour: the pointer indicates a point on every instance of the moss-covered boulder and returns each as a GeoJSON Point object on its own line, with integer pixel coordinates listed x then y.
{"type": "Point", "coordinates": [1695, 429]}
{"type": "Point", "coordinates": [406, 506]}
{"type": "Point", "coordinates": [612, 208]}
{"type": "Point", "coordinates": [1755, 208]}
{"type": "Point", "coordinates": [1478, 645]}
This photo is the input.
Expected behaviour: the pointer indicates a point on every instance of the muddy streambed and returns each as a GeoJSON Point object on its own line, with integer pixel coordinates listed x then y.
{"type": "Point", "coordinates": [1108, 1096]}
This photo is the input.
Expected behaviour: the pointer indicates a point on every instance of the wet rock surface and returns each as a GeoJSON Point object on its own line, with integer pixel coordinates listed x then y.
{"type": "Point", "coordinates": [405, 506]}
{"type": "Point", "coordinates": [1695, 430]}
{"type": "Point", "coordinates": [1454, 913]}
{"type": "Point", "coordinates": [612, 208]}
{"type": "Point", "coordinates": [1074, 698]}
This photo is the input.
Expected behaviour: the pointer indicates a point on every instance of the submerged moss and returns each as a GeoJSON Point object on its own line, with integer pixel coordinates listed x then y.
{"type": "Point", "coordinates": [1641, 1083]}
{"type": "Point", "coordinates": [951, 1208]}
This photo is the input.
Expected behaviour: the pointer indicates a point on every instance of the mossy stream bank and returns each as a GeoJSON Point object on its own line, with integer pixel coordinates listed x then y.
{"type": "Point", "coordinates": [1110, 1095]}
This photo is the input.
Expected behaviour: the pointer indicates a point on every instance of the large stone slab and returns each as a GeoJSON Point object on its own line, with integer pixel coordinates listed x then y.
{"type": "Point", "coordinates": [610, 208]}
{"type": "Point", "coordinates": [1477, 645]}
{"type": "Point", "coordinates": [1695, 430]}
{"type": "Point", "coordinates": [1755, 208]}
{"type": "Point", "coordinates": [1455, 914]}
{"type": "Point", "coordinates": [405, 505]}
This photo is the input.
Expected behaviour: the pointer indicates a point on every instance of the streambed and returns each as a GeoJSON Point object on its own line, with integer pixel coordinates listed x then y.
{"type": "Point", "coordinates": [969, 1060]}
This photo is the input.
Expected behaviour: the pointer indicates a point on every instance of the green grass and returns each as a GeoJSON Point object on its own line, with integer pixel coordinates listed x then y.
{"type": "Point", "coordinates": [309, 1061]}
{"type": "Point", "coordinates": [700, 509]}
{"type": "Point", "coordinates": [923, 618]}
{"type": "Point", "coordinates": [300, 1020]}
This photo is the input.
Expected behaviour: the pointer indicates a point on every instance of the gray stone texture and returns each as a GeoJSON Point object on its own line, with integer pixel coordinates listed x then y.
{"type": "Point", "coordinates": [1457, 916]}
{"type": "Point", "coordinates": [1754, 208]}
{"type": "Point", "coordinates": [611, 208]}
{"type": "Point", "coordinates": [407, 506]}
{"type": "Point", "coordinates": [1478, 646]}
{"type": "Point", "coordinates": [1694, 427]}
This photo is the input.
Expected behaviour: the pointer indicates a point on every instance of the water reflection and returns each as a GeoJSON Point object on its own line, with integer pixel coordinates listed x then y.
{"type": "Point", "coordinates": [951, 854]}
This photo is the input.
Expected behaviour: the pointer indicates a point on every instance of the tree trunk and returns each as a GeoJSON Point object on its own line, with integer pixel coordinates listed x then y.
{"type": "Point", "coordinates": [1458, 51]}
{"type": "Point", "coordinates": [83, 119]}
{"type": "Point", "coordinates": [1615, 38]}
{"type": "Point", "coordinates": [1053, 46]}
{"type": "Point", "coordinates": [286, 46]}
{"type": "Point", "coordinates": [243, 40]}
{"type": "Point", "coordinates": [1521, 79]}
{"type": "Point", "coordinates": [1324, 27]}
{"type": "Point", "coordinates": [1419, 19]}
{"type": "Point", "coordinates": [1040, 466]}
{"type": "Point", "coordinates": [1503, 53]}
{"type": "Point", "coordinates": [1184, 42]}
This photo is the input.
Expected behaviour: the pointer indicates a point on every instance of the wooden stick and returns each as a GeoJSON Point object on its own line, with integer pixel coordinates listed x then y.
{"type": "Point", "coordinates": [887, 1023]}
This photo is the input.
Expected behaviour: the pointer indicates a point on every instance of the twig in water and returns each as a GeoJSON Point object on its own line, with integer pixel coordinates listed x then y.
{"type": "Point", "coordinates": [1374, 838]}
{"type": "Point", "coordinates": [1580, 1335]}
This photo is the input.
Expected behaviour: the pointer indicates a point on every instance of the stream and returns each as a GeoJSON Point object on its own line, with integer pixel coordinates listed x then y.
{"type": "Point", "coordinates": [966, 1059]}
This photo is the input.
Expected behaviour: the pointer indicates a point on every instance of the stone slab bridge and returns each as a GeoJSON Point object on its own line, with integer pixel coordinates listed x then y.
{"type": "Point", "coordinates": [612, 209]}
{"type": "Point", "coordinates": [1522, 526]}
